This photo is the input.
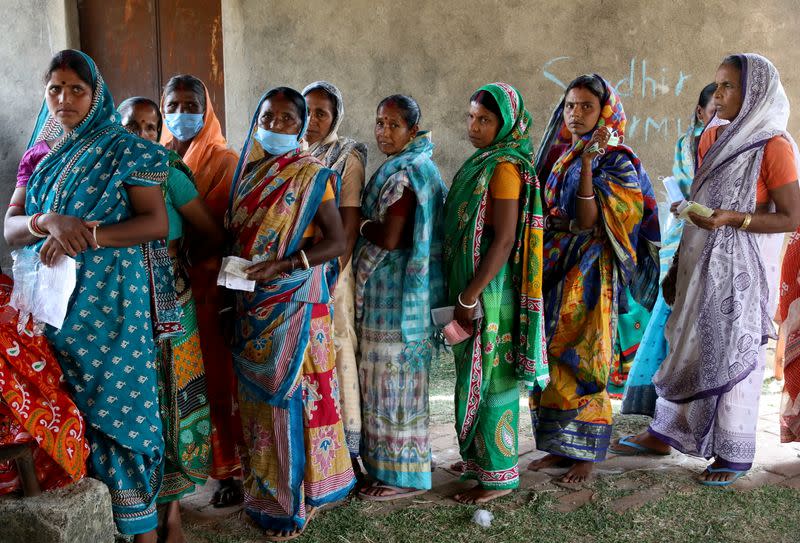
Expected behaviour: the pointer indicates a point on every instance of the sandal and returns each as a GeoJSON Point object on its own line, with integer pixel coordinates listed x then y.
{"type": "Point", "coordinates": [230, 493]}
{"type": "Point", "coordinates": [736, 475]}
{"type": "Point", "coordinates": [399, 493]}
{"type": "Point", "coordinates": [637, 449]}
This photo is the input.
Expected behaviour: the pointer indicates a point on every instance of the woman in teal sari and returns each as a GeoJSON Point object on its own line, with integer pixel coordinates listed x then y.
{"type": "Point", "coordinates": [94, 195]}
{"type": "Point", "coordinates": [398, 281]}
{"type": "Point", "coordinates": [493, 257]}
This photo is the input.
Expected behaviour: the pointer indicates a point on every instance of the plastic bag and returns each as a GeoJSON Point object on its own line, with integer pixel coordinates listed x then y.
{"type": "Point", "coordinates": [40, 292]}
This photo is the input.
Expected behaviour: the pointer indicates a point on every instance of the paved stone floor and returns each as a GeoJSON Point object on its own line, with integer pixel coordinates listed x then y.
{"type": "Point", "coordinates": [775, 463]}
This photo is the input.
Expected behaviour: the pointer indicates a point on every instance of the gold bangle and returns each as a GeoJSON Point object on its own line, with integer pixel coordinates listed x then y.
{"type": "Point", "coordinates": [746, 222]}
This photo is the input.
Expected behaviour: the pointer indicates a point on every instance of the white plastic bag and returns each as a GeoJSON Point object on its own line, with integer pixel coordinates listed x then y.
{"type": "Point", "coordinates": [41, 292]}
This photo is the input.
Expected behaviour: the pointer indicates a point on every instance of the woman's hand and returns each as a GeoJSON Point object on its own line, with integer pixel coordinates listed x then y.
{"type": "Point", "coordinates": [265, 271]}
{"type": "Point", "coordinates": [720, 218]}
{"type": "Point", "coordinates": [70, 232]}
{"type": "Point", "coordinates": [600, 137]}
{"type": "Point", "coordinates": [669, 285]}
{"type": "Point", "coordinates": [673, 208]}
{"type": "Point", "coordinates": [51, 251]}
{"type": "Point", "coordinates": [558, 224]}
{"type": "Point", "coordinates": [465, 315]}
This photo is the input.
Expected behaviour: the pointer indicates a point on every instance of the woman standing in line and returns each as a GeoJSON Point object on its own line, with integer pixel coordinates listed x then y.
{"type": "Point", "coordinates": [348, 158]}
{"type": "Point", "coordinates": [600, 231]}
{"type": "Point", "coordinates": [284, 217]}
{"type": "Point", "coordinates": [93, 193]}
{"type": "Point", "coordinates": [398, 281]}
{"type": "Point", "coordinates": [182, 382]}
{"type": "Point", "coordinates": [723, 283]}
{"type": "Point", "coordinates": [640, 394]}
{"type": "Point", "coordinates": [192, 130]}
{"type": "Point", "coordinates": [493, 248]}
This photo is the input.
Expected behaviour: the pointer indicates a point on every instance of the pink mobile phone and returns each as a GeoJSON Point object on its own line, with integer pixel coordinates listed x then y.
{"type": "Point", "coordinates": [454, 333]}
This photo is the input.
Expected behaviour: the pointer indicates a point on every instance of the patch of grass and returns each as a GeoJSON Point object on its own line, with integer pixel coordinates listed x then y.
{"type": "Point", "coordinates": [709, 515]}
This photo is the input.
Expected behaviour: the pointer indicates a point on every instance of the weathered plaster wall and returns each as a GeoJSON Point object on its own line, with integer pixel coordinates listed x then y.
{"type": "Point", "coordinates": [660, 53]}
{"type": "Point", "coordinates": [31, 31]}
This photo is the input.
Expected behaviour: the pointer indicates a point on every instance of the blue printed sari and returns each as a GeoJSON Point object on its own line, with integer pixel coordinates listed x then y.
{"type": "Point", "coordinates": [105, 346]}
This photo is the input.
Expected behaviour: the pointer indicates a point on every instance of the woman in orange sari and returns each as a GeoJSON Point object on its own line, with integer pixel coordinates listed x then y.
{"type": "Point", "coordinates": [192, 130]}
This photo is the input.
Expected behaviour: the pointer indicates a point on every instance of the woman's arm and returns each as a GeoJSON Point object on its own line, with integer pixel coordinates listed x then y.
{"type": "Point", "coordinates": [350, 202]}
{"type": "Point", "coordinates": [391, 233]}
{"type": "Point", "coordinates": [506, 214]}
{"type": "Point", "coordinates": [350, 218]}
{"type": "Point", "coordinates": [15, 227]}
{"type": "Point", "coordinates": [207, 235]}
{"type": "Point", "coordinates": [786, 217]}
{"type": "Point", "coordinates": [332, 245]}
{"type": "Point", "coordinates": [149, 221]}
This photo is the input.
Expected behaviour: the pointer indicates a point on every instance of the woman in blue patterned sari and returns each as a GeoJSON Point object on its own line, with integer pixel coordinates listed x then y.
{"type": "Point", "coordinates": [90, 190]}
{"type": "Point", "coordinates": [398, 281]}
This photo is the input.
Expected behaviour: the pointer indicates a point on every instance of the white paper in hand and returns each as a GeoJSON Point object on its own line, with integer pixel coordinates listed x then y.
{"type": "Point", "coordinates": [693, 207]}
{"type": "Point", "coordinates": [674, 193]}
{"type": "Point", "coordinates": [232, 274]}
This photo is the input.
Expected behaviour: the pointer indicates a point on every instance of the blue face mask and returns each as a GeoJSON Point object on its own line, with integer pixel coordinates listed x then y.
{"type": "Point", "coordinates": [184, 126]}
{"type": "Point", "coordinates": [276, 144]}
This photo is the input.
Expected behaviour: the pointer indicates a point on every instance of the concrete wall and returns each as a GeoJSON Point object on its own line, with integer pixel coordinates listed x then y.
{"type": "Point", "coordinates": [32, 31]}
{"type": "Point", "coordinates": [660, 53]}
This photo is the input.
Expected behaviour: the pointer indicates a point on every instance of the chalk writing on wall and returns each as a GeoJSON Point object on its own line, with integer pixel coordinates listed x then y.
{"type": "Point", "coordinates": [646, 84]}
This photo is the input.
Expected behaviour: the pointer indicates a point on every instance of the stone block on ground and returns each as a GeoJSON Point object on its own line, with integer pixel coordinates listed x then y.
{"type": "Point", "coordinates": [637, 499]}
{"type": "Point", "coordinates": [80, 513]}
{"type": "Point", "coordinates": [572, 501]}
{"type": "Point", "coordinates": [756, 479]}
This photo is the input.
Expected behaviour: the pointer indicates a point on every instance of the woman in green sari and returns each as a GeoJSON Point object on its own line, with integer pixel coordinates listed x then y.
{"type": "Point", "coordinates": [492, 258]}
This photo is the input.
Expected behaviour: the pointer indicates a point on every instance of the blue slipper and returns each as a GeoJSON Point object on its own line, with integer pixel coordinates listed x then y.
{"type": "Point", "coordinates": [637, 449]}
{"type": "Point", "coordinates": [736, 475]}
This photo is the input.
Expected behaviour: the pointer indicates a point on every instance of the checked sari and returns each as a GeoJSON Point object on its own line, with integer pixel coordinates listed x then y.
{"type": "Point", "coordinates": [295, 453]}
{"type": "Point", "coordinates": [585, 277]}
{"type": "Point", "coordinates": [508, 343]}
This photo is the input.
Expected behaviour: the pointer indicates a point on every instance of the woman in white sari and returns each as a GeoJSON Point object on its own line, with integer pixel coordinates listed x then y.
{"type": "Point", "coordinates": [723, 283]}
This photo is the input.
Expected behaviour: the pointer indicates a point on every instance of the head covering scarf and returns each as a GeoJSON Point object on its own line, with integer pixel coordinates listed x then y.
{"type": "Point", "coordinates": [333, 150]}
{"type": "Point", "coordinates": [729, 300]}
{"type": "Point", "coordinates": [423, 286]}
{"type": "Point", "coordinates": [467, 200]}
{"type": "Point", "coordinates": [209, 158]}
{"type": "Point", "coordinates": [636, 251]}
{"type": "Point", "coordinates": [84, 176]}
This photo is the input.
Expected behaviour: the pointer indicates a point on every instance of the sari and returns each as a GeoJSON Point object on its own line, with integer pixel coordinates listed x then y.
{"type": "Point", "coordinates": [631, 326]}
{"type": "Point", "coordinates": [339, 154]}
{"type": "Point", "coordinates": [489, 364]}
{"type": "Point", "coordinates": [788, 349]}
{"type": "Point", "coordinates": [640, 394]}
{"type": "Point", "coordinates": [709, 384]}
{"type": "Point", "coordinates": [182, 381]}
{"type": "Point", "coordinates": [35, 407]}
{"type": "Point", "coordinates": [395, 292]}
{"type": "Point", "coordinates": [585, 276]}
{"type": "Point", "coordinates": [213, 165]}
{"type": "Point", "coordinates": [105, 346]}
{"type": "Point", "coordinates": [295, 455]}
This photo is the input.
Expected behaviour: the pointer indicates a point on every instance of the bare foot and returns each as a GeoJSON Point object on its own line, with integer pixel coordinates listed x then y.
{"type": "Point", "coordinates": [645, 439]}
{"type": "Point", "coordinates": [149, 537]}
{"type": "Point", "coordinates": [550, 461]}
{"type": "Point", "coordinates": [377, 490]}
{"type": "Point", "coordinates": [173, 523]}
{"type": "Point", "coordinates": [480, 495]}
{"type": "Point", "coordinates": [458, 466]}
{"type": "Point", "coordinates": [283, 535]}
{"type": "Point", "coordinates": [578, 473]}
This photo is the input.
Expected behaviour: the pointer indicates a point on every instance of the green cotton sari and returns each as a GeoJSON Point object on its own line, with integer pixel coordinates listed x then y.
{"type": "Point", "coordinates": [508, 342]}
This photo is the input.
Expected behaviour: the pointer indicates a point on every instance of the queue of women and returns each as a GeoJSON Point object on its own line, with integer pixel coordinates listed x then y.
{"type": "Point", "coordinates": [314, 383]}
